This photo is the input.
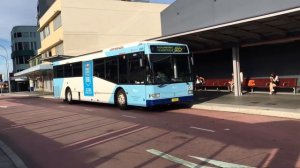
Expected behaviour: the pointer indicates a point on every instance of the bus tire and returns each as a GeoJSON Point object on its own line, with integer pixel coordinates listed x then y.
{"type": "Point", "coordinates": [69, 98]}
{"type": "Point", "coordinates": [121, 99]}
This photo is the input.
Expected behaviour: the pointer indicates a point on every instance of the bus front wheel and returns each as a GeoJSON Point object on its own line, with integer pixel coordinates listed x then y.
{"type": "Point", "coordinates": [121, 99]}
{"type": "Point", "coordinates": [69, 98]}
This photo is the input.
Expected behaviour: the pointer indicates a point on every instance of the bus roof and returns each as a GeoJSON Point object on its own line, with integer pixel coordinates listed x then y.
{"type": "Point", "coordinates": [118, 50]}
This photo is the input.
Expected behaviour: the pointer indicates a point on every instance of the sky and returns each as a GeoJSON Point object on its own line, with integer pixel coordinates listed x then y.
{"type": "Point", "coordinates": [21, 12]}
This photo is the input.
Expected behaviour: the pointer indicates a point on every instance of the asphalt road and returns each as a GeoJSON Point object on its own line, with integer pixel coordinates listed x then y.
{"type": "Point", "coordinates": [48, 133]}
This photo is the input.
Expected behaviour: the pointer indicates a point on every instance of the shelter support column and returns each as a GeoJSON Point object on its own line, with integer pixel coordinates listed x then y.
{"type": "Point", "coordinates": [236, 71]}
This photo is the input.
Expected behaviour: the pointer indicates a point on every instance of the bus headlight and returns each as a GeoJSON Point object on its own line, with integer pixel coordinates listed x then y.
{"type": "Point", "coordinates": [154, 96]}
{"type": "Point", "coordinates": [190, 91]}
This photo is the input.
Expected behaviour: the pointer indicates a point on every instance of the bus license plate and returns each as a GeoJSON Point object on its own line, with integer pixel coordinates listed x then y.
{"type": "Point", "coordinates": [175, 99]}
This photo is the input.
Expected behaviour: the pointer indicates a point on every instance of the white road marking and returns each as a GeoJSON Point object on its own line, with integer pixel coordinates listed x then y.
{"type": "Point", "coordinates": [220, 163]}
{"type": "Point", "coordinates": [3, 106]}
{"type": "Point", "coordinates": [226, 129]}
{"type": "Point", "coordinates": [88, 110]}
{"type": "Point", "coordinates": [271, 156]}
{"type": "Point", "coordinates": [112, 138]}
{"type": "Point", "coordinates": [202, 129]}
{"type": "Point", "coordinates": [175, 159]}
{"type": "Point", "coordinates": [92, 138]}
{"type": "Point", "coordinates": [128, 116]}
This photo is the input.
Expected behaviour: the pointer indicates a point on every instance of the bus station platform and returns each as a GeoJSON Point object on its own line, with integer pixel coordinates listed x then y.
{"type": "Point", "coordinates": [279, 105]}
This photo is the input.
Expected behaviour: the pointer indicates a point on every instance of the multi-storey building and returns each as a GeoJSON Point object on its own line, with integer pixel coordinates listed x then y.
{"type": "Point", "coordinates": [25, 41]}
{"type": "Point", "coordinates": [71, 28]}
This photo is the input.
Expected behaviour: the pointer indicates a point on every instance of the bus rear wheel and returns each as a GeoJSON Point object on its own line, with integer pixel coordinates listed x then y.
{"type": "Point", "coordinates": [121, 99]}
{"type": "Point", "coordinates": [69, 98]}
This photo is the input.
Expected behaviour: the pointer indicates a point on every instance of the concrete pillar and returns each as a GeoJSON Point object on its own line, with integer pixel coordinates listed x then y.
{"type": "Point", "coordinates": [236, 71]}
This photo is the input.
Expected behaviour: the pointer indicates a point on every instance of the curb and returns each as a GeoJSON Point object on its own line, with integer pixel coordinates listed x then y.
{"type": "Point", "coordinates": [273, 112]}
{"type": "Point", "coordinates": [12, 156]}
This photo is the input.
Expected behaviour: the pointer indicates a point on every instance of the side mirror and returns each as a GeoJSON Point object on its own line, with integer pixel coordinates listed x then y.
{"type": "Point", "coordinates": [141, 62]}
{"type": "Point", "coordinates": [192, 60]}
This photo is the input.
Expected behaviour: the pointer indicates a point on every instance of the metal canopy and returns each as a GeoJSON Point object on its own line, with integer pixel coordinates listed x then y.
{"type": "Point", "coordinates": [38, 69]}
{"type": "Point", "coordinates": [273, 28]}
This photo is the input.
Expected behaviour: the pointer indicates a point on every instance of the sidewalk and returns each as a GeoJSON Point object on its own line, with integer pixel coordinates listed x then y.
{"type": "Point", "coordinates": [280, 105]}
{"type": "Point", "coordinates": [31, 94]}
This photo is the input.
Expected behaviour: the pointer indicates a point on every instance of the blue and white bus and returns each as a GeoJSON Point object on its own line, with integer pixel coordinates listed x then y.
{"type": "Point", "coordinates": [142, 74]}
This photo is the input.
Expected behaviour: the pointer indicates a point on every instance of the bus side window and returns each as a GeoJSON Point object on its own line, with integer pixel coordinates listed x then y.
{"type": "Point", "coordinates": [136, 72]}
{"type": "Point", "coordinates": [123, 69]}
{"type": "Point", "coordinates": [58, 71]}
{"type": "Point", "coordinates": [99, 68]}
{"type": "Point", "coordinates": [77, 69]}
{"type": "Point", "coordinates": [67, 70]}
{"type": "Point", "coordinates": [111, 65]}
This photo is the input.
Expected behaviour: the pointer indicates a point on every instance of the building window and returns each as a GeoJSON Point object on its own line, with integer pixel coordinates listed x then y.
{"type": "Point", "coordinates": [25, 34]}
{"type": "Point", "coordinates": [26, 46]}
{"type": "Point", "coordinates": [34, 44]}
{"type": "Point", "coordinates": [19, 34]}
{"type": "Point", "coordinates": [59, 49]}
{"type": "Point", "coordinates": [44, 55]}
{"type": "Point", "coordinates": [42, 35]}
{"type": "Point", "coordinates": [21, 60]}
{"type": "Point", "coordinates": [26, 59]}
{"type": "Point", "coordinates": [20, 46]}
{"type": "Point", "coordinates": [16, 46]}
{"type": "Point", "coordinates": [57, 22]}
{"type": "Point", "coordinates": [47, 31]}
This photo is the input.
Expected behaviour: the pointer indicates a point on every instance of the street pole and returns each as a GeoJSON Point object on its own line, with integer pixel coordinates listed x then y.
{"type": "Point", "coordinates": [7, 70]}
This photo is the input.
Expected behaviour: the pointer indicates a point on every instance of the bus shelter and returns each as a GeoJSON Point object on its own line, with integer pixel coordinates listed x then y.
{"type": "Point", "coordinates": [278, 29]}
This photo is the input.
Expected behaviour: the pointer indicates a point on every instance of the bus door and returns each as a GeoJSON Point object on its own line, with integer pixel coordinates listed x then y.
{"type": "Point", "coordinates": [135, 78]}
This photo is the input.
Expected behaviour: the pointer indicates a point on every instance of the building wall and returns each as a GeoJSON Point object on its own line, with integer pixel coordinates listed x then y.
{"type": "Point", "coordinates": [186, 15]}
{"type": "Point", "coordinates": [92, 25]}
{"type": "Point", "coordinates": [50, 37]}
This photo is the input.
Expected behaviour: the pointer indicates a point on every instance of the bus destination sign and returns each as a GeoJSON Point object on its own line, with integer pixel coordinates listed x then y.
{"type": "Point", "coordinates": [168, 49]}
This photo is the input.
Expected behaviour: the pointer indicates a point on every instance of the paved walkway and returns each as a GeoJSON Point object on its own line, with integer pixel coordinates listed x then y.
{"type": "Point", "coordinates": [280, 105]}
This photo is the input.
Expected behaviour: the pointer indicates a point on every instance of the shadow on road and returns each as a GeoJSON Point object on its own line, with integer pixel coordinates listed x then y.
{"type": "Point", "coordinates": [40, 130]}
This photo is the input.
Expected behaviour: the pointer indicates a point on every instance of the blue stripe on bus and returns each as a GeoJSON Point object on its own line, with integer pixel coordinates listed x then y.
{"type": "Point", "coordinates": [134, 49]}
{"type": "Point", "coordinates": [185, 99]}
{"type": "Point", "coordinates": [58, 84]}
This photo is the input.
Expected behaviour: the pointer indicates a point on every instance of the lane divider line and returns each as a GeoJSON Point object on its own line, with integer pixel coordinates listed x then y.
{"type": "Point", "coordinates": [220, 163]}
{"type": "Point", "coordinates": [112, 138]}
{"type": "Point", "coordinates": [128, 116]}
{"type": "Point", "coordinates": [99, 136]}
{"type": "Point", "coordinates": [175, 159]}
{"type": "Point", "coordinates": [202, 129]}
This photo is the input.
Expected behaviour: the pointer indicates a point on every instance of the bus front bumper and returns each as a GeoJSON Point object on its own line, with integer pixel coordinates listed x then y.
{"type": "Point", "coordinates": [185, 99]}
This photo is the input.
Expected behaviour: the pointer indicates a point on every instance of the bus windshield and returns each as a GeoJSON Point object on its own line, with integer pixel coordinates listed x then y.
{"type": "Point", "coordinates": [168, 69]}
